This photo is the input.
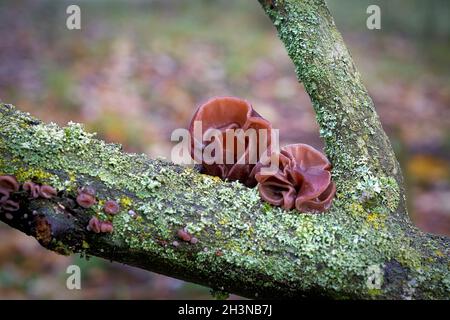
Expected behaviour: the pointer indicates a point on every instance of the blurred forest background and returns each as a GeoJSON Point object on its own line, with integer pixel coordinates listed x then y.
{"type": "Point", "coordinates": [138, 69]}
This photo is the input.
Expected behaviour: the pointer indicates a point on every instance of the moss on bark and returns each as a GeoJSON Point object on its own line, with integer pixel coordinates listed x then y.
{"type": "Point", "coordinates": [245, 246]}
{"type": "Point", "coordinates": [363, 247]}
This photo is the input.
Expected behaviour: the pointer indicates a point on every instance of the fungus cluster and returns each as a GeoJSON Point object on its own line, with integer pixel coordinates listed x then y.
{"type": "Point", "coordinates": [186, 236]}
{"type": "Point", "coordinates": [86, 198]}
{"type": "Point", "coordinates": [35, 190]}
{"type": "Point", "coordinates": [223, 114]}
{"type": "Point", "coordinates": [98, 226]}
{"type": "Point", "coordinates": [303, 179]}
{"type": "Point", "coordinates": [10, 185]}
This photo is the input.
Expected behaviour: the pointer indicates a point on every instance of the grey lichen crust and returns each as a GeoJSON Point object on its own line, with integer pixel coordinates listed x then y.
{"type": "Point", "coordinates": [245, 246]}
{"type": "Point", "coordinates": [363, 247]}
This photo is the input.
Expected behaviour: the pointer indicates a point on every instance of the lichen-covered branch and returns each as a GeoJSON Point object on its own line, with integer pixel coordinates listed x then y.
{"type": "Point", "coordinates": [355, 141]}
{"type": "Point", "coordinates": [364, 247]}
{"type": "Point", "coordinates": [244, 246]}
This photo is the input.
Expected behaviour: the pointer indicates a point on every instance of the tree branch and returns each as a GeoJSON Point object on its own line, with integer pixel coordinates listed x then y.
{"type": "Point", "coordinates": [364, 247]}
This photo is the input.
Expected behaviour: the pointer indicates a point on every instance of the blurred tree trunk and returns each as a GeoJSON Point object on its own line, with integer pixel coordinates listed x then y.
{"type": "Point", "coordinates": [363, 247]}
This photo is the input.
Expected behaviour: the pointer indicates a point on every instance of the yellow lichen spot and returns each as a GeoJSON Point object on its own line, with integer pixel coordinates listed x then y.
{"type": "Point", "coordinates": [376, 220]}
{"type": "Point", "coordinates": [356, 209]}
{"type": "Point", "coordinates": [207, 178]}
{"type": "Point", "coordinates": [71, 183]}
{"type": "Point", "coordinates": [85, 245]}
{"type": "Point", "coordinates": [126, 202]}
{"type": "Point", "coordinates": [36, 175]}
{"type": "Point", "coordinates": [72, 177]}
{"type": "Point", "coordinates": [439, 253]}
{"type": "Point", "coordinates": [375, 292]}
{"type": "Point", "coordinates": [223, 221]}
{"type": "Point", "coordinates": [62, 249]}
{"type": "Point", "coordinates": [216, 179]}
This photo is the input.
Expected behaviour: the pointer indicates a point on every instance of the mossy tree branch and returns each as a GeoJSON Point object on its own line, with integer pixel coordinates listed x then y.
{"type": "Point", "coordinates": [364, 247]}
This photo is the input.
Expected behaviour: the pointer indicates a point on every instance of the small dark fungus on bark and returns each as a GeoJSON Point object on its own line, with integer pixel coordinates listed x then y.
{"type": "Point", "coordinates": [86, 197]}
{"type": "Point", "coordinates": [111, 207]}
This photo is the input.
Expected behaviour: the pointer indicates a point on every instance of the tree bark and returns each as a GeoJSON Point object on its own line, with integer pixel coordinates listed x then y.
{"type": "Point", "coordinates": [363, 247]}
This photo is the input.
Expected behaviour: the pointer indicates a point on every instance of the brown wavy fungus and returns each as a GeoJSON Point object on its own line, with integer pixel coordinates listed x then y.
{"type": "Point", "coordinates": [303, 180]}
{"type": "Point", "coordinates": [8, 186]}
{"type": "Point", "coordinates": [224, 113]}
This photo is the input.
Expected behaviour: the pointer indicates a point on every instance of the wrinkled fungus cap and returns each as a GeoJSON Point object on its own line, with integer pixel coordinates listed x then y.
{"type": "Point", "coordinates": [4, 195]}
{"type": "Point", "coordinates": [9, 183]}
{"type": "Point", "coordinates": [85, 200]}
{"type": "Point", "coordinates": [111, 207]}
{"type": "Point", "coordinates": [47, 192]}
{"type": "Point", "coordinates": [32, 188]}
{"type": "Point", "coordinates": [106, 227]}
{"type": "Point", "coordinates": [94, 225]}
{"type": "Point", "coordinates": [224, 113]}
{"type": "Point", "coordinates": [303, 180]}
